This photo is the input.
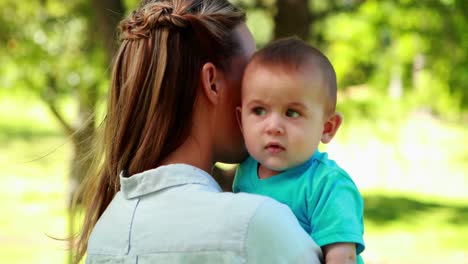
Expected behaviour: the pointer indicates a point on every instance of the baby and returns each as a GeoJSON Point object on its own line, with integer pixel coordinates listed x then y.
{"type": "Point", "coordinates": [288, 107]}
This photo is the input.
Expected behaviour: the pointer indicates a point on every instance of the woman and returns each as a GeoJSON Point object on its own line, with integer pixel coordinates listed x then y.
{"type": "Point", "coordinates": [171, 116]}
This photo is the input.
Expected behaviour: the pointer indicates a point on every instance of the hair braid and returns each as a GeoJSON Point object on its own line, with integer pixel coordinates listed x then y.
{"type": "Point", "coordinates": [144, 20]}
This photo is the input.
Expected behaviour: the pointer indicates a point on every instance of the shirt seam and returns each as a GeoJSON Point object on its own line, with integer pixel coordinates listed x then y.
{"type": "Point", "coordinates": [244, 242]}
{"type": "Point", "coordinates": [333, 168]}
{"type": "Point", "coordinates": [130, 231]}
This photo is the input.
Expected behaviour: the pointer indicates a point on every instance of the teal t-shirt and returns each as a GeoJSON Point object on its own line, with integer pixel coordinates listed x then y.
{"type": "Point", "coordinates": [323, 197]}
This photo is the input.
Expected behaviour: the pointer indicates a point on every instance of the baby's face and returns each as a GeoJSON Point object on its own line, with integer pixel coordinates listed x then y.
{"type": "Point", "coordinates": [282, 115]}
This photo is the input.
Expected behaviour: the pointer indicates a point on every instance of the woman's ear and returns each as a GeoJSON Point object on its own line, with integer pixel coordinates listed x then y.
{"type": "Point", "coordinates": [210, 82]}
{"type": "Point", "coordinates": [331, 127]}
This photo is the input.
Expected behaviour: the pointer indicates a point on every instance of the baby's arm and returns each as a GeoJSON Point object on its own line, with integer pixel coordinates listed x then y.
{"type": "Point", "coordinates": [340, 253]}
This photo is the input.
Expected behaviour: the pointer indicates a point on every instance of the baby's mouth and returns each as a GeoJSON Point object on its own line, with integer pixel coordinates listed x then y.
{"type": "Point", "coordinates": [274, 148]}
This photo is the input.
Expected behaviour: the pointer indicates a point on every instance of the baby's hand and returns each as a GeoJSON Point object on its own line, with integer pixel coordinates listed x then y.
{"type": "Point", "coordinates": [340, 253]}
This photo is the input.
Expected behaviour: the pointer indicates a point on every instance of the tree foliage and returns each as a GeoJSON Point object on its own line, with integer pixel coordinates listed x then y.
{"type": "Point", "coordinates": [413, 51]}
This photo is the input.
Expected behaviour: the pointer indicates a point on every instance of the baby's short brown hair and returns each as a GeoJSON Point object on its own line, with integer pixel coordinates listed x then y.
{"type": "Point", "coordinates": [295, 55]}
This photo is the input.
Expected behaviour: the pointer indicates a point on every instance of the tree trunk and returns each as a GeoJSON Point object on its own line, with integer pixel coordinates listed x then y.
{"type": "Point", "coordinates": [395, 87]}
{"type": "Point", "coordinates": [102, 25]}
{"type": "Point", "coordinates": [292, 18]}
{"type": "Point", "coordinates": [83, 138]}
{"type": "Point", "coordinates": [107, 14]}
{"type": "Point", "coordinates": [101, 31]}
{"type": "Point", "coordinates": [419, 62]}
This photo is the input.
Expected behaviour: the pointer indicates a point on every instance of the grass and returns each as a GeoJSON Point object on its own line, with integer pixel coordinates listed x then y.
{"type": "Point", "coordinates": [404, 229]}
{"type": "Point", "coordinates": [412, 173]}
{"type": "Point", "coordinates": [416, 154]}
{"type": "Point", "coordinates": [34, 161]}
{"type": "Point", "coordinates": [33, 195]}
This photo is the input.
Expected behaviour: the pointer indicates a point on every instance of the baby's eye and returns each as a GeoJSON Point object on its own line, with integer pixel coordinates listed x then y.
{"type": "Point", "coordinates": [259, 110]}
{"type": "Point", "coordinates": [292, 113]}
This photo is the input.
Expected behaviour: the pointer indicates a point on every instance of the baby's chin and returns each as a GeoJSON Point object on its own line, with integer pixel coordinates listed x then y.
{"type": "Point", "coordinates": [274, 168]}
{"type": "Point", "coordinates": [273, 164]}
{"type": "Point", "coordinates": [282, 167]}
{"type": "Point", "coordinates": [267, 171]}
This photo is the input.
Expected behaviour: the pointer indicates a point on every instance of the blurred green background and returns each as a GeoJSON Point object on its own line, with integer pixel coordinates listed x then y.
{"type": "Point", "coordinates": [402, 69]}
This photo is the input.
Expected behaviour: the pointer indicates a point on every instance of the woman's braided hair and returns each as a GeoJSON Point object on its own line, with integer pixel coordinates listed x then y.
{"type": "Point", "coordinates": [153, 15]}
{"type": "Point", "coordinates": [155, 80]}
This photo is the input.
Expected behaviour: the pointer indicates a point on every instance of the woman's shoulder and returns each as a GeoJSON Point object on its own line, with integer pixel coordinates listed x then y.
{"type": "Point", "coordinates": [275, 236]}
{"type": "Point", "coordinates": [246, 205]}
{"type": "Point", "coordinates": [251, 210]}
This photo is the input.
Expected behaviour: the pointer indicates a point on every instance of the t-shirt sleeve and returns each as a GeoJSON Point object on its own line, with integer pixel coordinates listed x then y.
{"type": "Point", "coordinates": [275, 236]}
{"type": "Point", "coordinates": [336, 211]}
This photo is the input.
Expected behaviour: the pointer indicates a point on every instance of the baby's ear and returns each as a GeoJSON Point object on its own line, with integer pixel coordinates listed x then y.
{"type": "Point", "coordinates": [331, 127]}
{"type": "Point", "coordinates": [239, 117]}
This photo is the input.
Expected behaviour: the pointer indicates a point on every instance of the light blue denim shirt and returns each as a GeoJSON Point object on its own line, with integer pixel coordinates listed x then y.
{"type": "Point", "coordinates": [178, 214]}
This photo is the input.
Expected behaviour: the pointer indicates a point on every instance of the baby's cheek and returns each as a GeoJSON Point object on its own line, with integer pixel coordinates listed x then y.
{"type": "Point", "coordinates": [249, 144]}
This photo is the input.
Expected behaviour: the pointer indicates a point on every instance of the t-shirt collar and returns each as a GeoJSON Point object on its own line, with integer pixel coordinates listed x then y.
{"type": "Point", "coordinates": [164, 177]}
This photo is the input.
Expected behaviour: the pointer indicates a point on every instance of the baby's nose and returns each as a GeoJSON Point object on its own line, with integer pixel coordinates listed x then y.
{"type": "Point", "coordinates": [275, 126]}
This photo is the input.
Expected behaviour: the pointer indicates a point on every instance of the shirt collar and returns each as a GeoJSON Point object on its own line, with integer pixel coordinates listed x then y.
{"type": "Point", "coordinates": [164, 177]}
